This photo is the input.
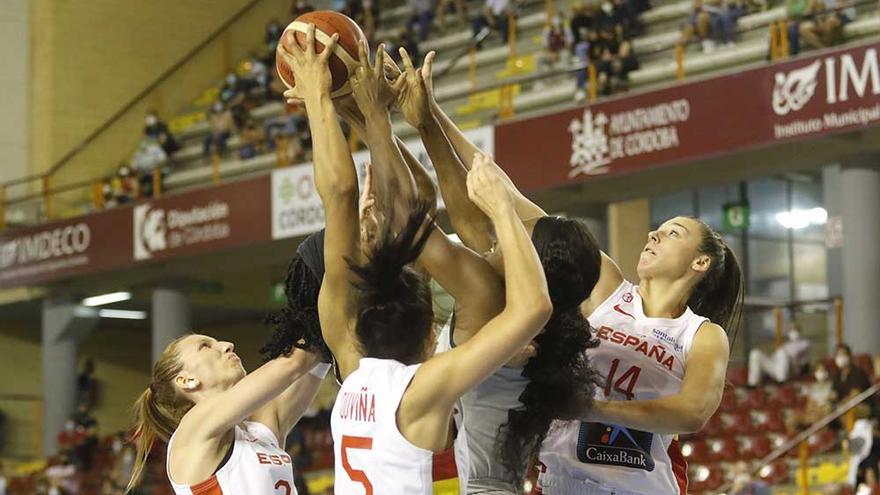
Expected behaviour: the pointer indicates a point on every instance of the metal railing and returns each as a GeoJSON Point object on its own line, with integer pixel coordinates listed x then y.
{"type": "Point", "coordinates": [801, 438]}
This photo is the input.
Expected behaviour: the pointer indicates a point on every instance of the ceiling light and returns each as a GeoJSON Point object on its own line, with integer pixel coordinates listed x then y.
{"type": "Point", "coordinates": [122, 314]}
{"type": "Point", "coordinates": [799, 219]}
{"type": "Point", "coordinates": [103, 299]}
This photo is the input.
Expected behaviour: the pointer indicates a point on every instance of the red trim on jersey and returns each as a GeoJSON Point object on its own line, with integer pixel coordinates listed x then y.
{"type": "Point", "coordinates": [443, 465]}
{"type": "Point", "coordinates": [617, 308]}
{"type": "Point", "coordinates": [208, 487]}
{"type": "Point", "coordinates": [679, 466]}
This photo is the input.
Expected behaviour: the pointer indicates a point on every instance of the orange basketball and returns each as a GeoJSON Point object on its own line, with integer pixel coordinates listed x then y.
{"type": "Point", "coordinates": [345, 56]}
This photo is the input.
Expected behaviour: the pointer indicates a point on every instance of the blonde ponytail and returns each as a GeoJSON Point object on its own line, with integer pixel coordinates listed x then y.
{"type": "Point", "coordinates": [158, 411]}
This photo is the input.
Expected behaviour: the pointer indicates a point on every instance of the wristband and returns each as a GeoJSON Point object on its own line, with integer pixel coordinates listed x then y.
{"type": "Point", "coordinates": [320, 370]}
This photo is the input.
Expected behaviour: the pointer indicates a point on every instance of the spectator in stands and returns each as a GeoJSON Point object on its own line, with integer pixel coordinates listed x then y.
{"type": "Point", "coordinates": [787, 361]}
{"type": "Point", "coordinates": [849, 380]}
{"type": "Point", "coordinates": [148, 158]}
{"type": "Point", "coordinates": [407, 40]}
{"type": "Point", "coordinates": [421, 15]}
{"type": "Point", "coordinates": [237, 94]}
{"type": "Point", "coordinates": [156, 129]}
{"type": "Point", "coordinates": [582, 56]}
{"type": "Point", "coordinates": [727, 24]}
{"type": "Point", "coordinates": [614, 68]}
{"type": "Point", "coordinates": [820, 396]}
{"type": "Point", "coordinates": [583, 19]}
{"type": "Point", "coordinates": [443, 10]}
{"type": "Point", "coordinates": [300, 7]}
{"type": "Point", "coordinates": [626, 19]}
{"type": "Point", "coordinates": [558, 40]}
{"type": "Point", "coordinates": [221, 125]}
{"type": "Point", "coordinates": [62, 476]}
{"type": "Point", "coordinates": [744, 484]}
{"type": "Point", "coordinates": [124, 185]}
{"type": "Point", "coordinates": [252, 141]}
{"type": "Point", "coordinates": [705, 23]}
{"type": "Point", "coordinates": [801, 24]}
{"type": "Point", "coordinates": [272, 36]}
{"type": "Point", "coordinates": [258, 73]}
{"type": "Point", "coordinates": [495, 15]}
{"type": "Point", "coordinates": [87, 385]}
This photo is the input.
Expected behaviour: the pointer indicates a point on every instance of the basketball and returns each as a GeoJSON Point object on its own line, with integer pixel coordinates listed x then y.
{"type": "Point", "coordinates": [327, 22]}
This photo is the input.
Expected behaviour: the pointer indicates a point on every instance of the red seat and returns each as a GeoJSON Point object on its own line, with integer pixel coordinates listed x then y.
{"type": "Point", "coordinates": [866, 363]}
{"type": "Point", "coordinates": [754, 447]}
{"type": "Point", "coordinates": [705, 477]}
{"type": "Point", "coordinates": [738, 423]}
{"type": "Point", "coordinates": [713, 428]}
{"type": "Point", "coordinates": [723, 449]}
{"type": "Point", "coordinates": [786, 396]}
{"type": "Point", "coordinates": [696, 451]}
{"type": "Point", "coordinates": [739, 377]}
{"type": "Point", "coordinates": [729, 401]}
{"type": "Point", "coordinates": [754, 399]}
{"type": "Point", "coordinates": [775, 474]}
{"type": "Point", "coordinates": [769, 421]}
{"type": "Point", "coordinates": [822, 441]}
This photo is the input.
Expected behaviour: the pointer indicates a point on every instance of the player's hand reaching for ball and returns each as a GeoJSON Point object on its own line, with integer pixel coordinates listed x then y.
{"type": "Point", "coordinates": [368, 213]}
{"type": "Point", "coordinates": [486, 187]}
{"type": "Point", "coordinates": [369, 87]}
{"type": "Point", "coordinates": [413, 99]}
{"type": "Point", "coordinates": [312, 71]}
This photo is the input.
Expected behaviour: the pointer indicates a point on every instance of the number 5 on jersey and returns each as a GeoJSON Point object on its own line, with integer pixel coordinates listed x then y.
{"type": "Point", "coordinates": [356, 475]}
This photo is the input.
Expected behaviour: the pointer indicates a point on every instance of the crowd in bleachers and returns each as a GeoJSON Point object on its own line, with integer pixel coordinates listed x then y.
{"type": "Point", "coordinates": [603, 33]}
{"type": "Point", "coordinates": [763, 407]}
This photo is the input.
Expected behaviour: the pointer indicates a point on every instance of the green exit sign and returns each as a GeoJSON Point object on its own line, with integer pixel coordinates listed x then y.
{"type": "Point", "coordinates": [736, 216]}
{"type": "Point", "coordinates": [278, 295]}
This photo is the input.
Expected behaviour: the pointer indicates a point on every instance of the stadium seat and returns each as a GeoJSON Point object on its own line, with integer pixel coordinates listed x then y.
{"type": "Point", "coordinates": [786, 396]}
{"type": "Point", "coordinates": [754, 447]}
{"type": "Point", "coordinates": [739, 377]}
{"type": "Point", "coordinates": [696, 451]}
{"type": "Point", "coordinates": [822, 441]}
{"type": "Point", "coordinates": [723, 449]}
{"type": "Point", "coordinates": [705, 477]}
{"type": "Point", "coordinates": [770, 420]}
{"type": "Point", "coordinates": [737, 423]}
{"type": "Point", "coordinates": [776, 473]}
{"type": "Point", "coordinates": [754, 399]}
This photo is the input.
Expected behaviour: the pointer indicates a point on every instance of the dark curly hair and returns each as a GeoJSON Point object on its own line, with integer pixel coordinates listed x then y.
{"type": "Point", "coordinates": [297, 324]}
{"type": "Point", "coordinates": [395, 315]}
{"type": "Point", "coordinates": [561, 380]}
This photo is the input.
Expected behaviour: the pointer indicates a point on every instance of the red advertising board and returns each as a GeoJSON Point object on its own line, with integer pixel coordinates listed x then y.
{"type": "Point", "coordinates": [208, 219]}
{"type": "Point", "coordinates": [229, 215]}
{"type": "Point", "coordinates": [62, 249]}
{"type": "Point", "coordinates": [834, 91]}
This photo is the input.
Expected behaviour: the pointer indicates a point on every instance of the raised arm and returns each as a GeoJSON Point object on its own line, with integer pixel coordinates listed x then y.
{"type": "Point", "coordinates": [395, 187]}
{"type": "Point", "coordinates": [684, 412]}
{"type": "Point", "coordinates": [336, 180]}
{"type": "Point", "coordinates": [465, 150]}
{"type": "Point", "coordinates": [213, 417]}
{"type": "Point", "coordinates": [445, 377]}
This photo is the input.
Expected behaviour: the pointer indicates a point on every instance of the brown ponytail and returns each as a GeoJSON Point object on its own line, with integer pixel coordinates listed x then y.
{"type": "Point", "coordinates": [158, 410]}
{"type": "Point", "coordinates": [719, 294]}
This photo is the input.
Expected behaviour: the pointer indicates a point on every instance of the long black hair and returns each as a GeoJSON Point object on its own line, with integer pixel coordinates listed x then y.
{"type": "Point", "coordinates": [297, 324]}
{"type": "Point", "coordinates": [561, 380]}
{"type": "Point", "coordinates": [719, 294]}
{"type": "Point", "coordinates": [394, 312]}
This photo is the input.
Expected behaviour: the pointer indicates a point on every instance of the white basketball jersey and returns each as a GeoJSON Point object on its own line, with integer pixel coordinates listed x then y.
{"type": "Point", "coordinates": [257, 465]}
{"type": "Point", "coordinates": [638, 358]}
{"type": "Point", "coordinates": [372, 456]}
{"type": "Point", "coordinates": [478, 415]}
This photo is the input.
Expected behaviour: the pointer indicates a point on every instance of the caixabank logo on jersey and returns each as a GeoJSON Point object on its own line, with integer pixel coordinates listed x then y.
{"type": "Point", "coordinates": [158, 229]}
{"type": "Point", "coordinates": [612, 445]}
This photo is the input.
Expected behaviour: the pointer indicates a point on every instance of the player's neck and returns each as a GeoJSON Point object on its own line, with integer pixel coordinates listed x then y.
{"type": "Point", "coordinates": [663, 298]}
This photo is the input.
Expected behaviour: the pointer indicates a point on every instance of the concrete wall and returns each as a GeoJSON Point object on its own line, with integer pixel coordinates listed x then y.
{"type": "Point", "coordinates": [14, 88]}
{"type": "Point", "coordinates": [90, 58]}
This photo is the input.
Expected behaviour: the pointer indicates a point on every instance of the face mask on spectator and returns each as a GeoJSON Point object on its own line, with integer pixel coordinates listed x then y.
{"type": "Point", "coordinates": [793, 335]}
{"type": "Point", "coordinates": [741, 479]}
{"type": "Point", "coordinates": [556, 22]}
{"type": "Point", "coordinates": [230, 79]}
{"type": "Point", "coordinates": [69, 426]}
{"type": "Point", "coordinates": [607, 8]}
{"type": "Point", "coordinates": [821, 375]}
{"type": "Point", "coordinates": [218, 107]}
{"type": "Point", "coordinates": [841, 360]}
{"type": "Point", "coordinates": [151, 120]}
